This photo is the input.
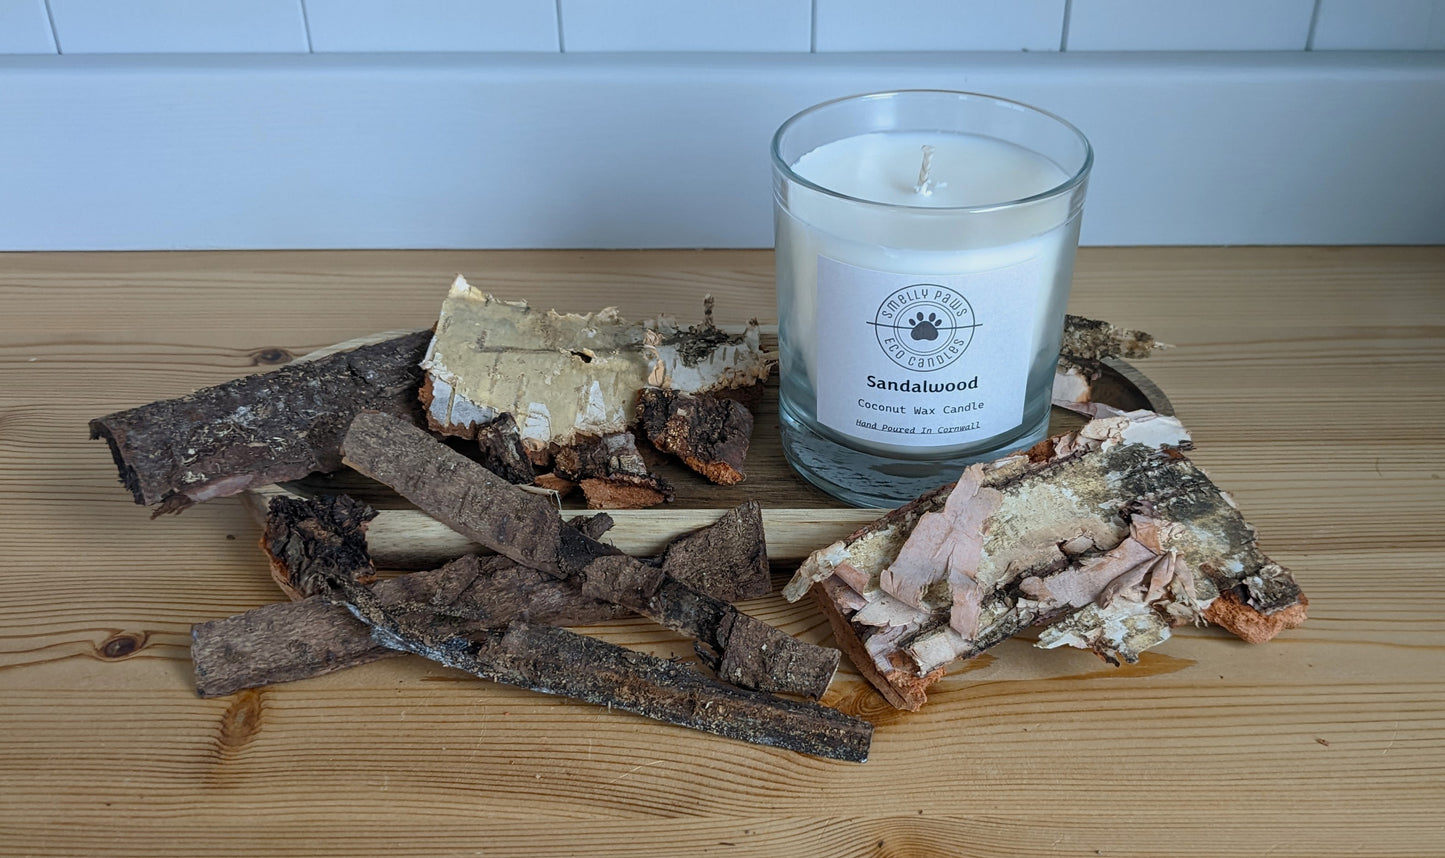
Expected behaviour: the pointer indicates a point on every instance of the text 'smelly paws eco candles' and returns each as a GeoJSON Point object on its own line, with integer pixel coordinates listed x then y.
{"type": "Point", "coordinates": [925, 243]}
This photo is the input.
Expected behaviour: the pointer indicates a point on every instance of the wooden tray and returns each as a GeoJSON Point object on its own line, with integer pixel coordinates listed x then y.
{"type": "Point", "coordinates": [797, 517]}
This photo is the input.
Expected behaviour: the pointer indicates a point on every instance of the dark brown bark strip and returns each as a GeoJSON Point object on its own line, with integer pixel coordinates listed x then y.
{"type": "Point", "coordinates": [727, 559]}
{"type": "Point", "coordinates": [502, 452]}
{"type": "Point", "coordinates": [482, 507]}
{"type": "Point", "coordinates": [709, 434]}
{"type": "Point", "coordinates": [288, 641]}
{"type": "Point", "coordinates": [279, 425]}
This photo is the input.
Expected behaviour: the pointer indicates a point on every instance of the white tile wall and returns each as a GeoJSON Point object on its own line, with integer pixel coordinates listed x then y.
{"type": "Point", "coordinates": [1380, 25]}
{"type": "Point", "coordinates": [432, 25]}
{"type": "Point", "coordinates": [1189, 25]}
{"type": "Point", "coordinates": [178, 26]}
{"type": "Point", "coordinates": [696, 25]}
{"type": "Point", "coordinates": [938, 25]}
{"type": "Point", "coordinates": [25, 28]}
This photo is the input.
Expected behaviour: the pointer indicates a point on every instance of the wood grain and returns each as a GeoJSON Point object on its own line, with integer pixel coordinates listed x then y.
{"type": "Point", "coordinates": [1310, 378]}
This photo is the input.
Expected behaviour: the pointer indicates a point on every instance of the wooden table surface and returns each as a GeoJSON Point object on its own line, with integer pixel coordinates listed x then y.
{"type": "Point", "coordinates": [1311, 378]}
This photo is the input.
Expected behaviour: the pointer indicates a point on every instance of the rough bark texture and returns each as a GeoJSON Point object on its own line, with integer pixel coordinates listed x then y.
{"type": "Point", "coordinates": [1110, 535]}
{"type": "Point", "coordinates": [1094, 339]}
{"type": "Point", "coordinates": [611, 471]}
{"type": "Point", "coordinates": [279, 425]}
{"type": "Point", "coordinates": [564, 375]}
{"type": "Point", "coordinates": [502, 452]}
{"type": "Point", "coordinates": [291, 641]}
{"type": "Point", "coordinates": [727, 559]}
{"type": "Point", "coordinates": [709, 434]}
{"type": "Point", "coordinates": [526, 528]}
{"type": "Point", "coordinates": [330, 554]}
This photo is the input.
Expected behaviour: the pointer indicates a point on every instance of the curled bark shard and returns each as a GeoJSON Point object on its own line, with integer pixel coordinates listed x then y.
{"type": "Point", "coordinates": [526, 528]}
{"type": "Point", "coordinates": [278, 425]}
{"type": "Point", "coordinates": [1108, 535]}
{"type": "Point", "coordinates": [709, 434]}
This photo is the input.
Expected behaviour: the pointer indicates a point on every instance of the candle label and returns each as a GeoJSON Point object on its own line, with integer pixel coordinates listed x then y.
{"type": "Point", "coordinates": [913, 360]}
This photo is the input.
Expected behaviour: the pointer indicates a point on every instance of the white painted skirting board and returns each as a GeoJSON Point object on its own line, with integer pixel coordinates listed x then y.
{"type": "Point", "coordinates": [670, 150]}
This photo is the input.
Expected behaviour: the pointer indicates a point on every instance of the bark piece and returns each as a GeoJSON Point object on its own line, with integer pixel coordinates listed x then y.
{"type": "Point", "coordinates": [727, 559]}
{"type": "Point", "coordinates": [272, 426]}
{"type": "Point", "coordinates": [1110, 535]}
{"type": "Point", "coordinates": [1087, 343]}
{"type": "Point", "coordinates": [554, 483]}
{"type": "Point", "coordinates": [611, 471]}
{"type": "Point", "coordinates": [565, 375]}
{"type": "Point", "coordinates": [540, 658]}
{"type": "Point", "coordinates": [479, 505]}
{"type": "Point", "coordinates": [709, 434]}
{"type": "Point", "coordinates": [502, 451]}
{"type": "Point", "coordinates": [1095, 339]}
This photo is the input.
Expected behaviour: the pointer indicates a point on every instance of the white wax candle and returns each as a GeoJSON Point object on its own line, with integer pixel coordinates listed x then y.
{"type": "Point", "coordinates": [909, 287]}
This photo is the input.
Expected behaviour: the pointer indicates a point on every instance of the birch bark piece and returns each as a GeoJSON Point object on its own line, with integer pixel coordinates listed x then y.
{"type": "Point", "coordinates": [1110, 535]}
{"type": "Point", "coordinates": [565, 375]}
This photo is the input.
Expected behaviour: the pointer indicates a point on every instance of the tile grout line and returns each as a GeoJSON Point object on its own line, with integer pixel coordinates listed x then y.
{"type": "Point", "coordinates": [306, 25]}
{"type": "Point", "coordinates": [54, 33]}
{"type": "Point", "coordinates": [1064, 31]}
{"type": "Point", "coordinates": [561, 43]}
{"type": "Point", "coordinates": [1314, 22]}
{"type": "Point", "coordinates": [813, 29]}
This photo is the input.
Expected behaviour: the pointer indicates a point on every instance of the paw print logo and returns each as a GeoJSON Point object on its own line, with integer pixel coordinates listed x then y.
{"type": "Point", "coordinates": [920, 328]}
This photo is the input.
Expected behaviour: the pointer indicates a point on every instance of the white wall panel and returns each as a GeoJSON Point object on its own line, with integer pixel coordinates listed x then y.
{"type": "Point", "coordinates": [1376, 24]}
{"type": "Point", "coordinates": [1189, 25]}
{"type": "Point", "coordinates": [569, 150]}
{"type": "Point", "coordinates": [432, 25]}
{"type": "Point", "coordinates": [178, 26]}
{"type": "Point", "coordinates": [25, 28]}
{"type": "Point", "coordinates": [694, 25]}
{"type": "Point", "coordinates": [938, 25]}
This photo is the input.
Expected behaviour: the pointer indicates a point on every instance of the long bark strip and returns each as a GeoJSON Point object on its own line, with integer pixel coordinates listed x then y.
{"type": "Point", "coordinates": [279, 425]}
{"type": "Point", "coordinates": [525, 527]}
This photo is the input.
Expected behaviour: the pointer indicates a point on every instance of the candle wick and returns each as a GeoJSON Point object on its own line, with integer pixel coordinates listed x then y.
{"type": "Point", "coordinates": [925, 181]}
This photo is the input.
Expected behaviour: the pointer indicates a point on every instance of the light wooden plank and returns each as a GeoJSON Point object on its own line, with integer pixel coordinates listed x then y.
{"type": "Point", "coordinates": [1309, 375]}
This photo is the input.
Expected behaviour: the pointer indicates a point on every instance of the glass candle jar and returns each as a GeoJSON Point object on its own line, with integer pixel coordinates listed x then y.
{"type": "Point", "coordinates": [925, 243]}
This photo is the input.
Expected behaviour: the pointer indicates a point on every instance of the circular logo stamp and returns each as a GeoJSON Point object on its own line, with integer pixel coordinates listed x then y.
{"type": "Point", "coordinates": [924, 327]}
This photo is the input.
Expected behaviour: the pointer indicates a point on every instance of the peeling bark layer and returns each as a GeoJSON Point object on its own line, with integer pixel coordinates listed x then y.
{"type": "Point", "coordinates": [1109, 536]}
{"type": "Point", "coordinates": [564, 375]}
{"type": "Point", "coordinates": [261, 429]}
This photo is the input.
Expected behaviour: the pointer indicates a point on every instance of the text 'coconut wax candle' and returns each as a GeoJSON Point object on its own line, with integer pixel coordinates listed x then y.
{"type": "Point", "coordinates": [925, 243]}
